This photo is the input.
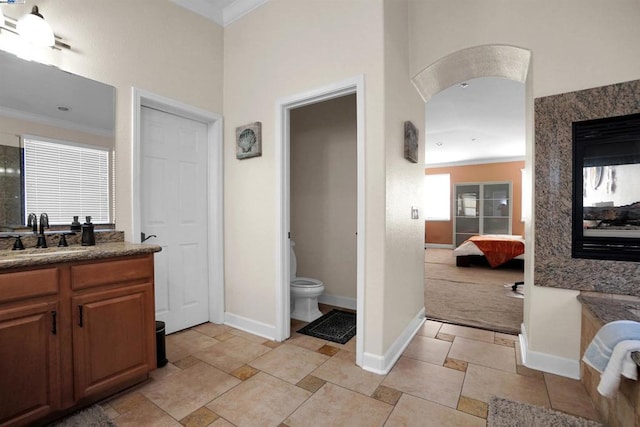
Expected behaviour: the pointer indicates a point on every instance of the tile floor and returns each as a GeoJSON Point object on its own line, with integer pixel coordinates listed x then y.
{"type": "Point", "coordinates": [220, 376]}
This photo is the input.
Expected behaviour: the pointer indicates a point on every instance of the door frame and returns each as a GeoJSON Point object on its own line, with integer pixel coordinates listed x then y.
{"type": "Point", "coordinates": [215, 230]}
{"type": "Point", "coordinates": [354, 85]}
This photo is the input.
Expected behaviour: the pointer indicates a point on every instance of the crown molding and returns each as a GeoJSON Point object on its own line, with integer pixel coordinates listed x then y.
{"type": "Point", "coordinates": [222, 16]}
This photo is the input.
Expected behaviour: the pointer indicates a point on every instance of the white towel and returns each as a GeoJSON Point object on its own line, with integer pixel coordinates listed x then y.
{"type": "Point", "coordinates": [599, 351]}
{"type": "Point", "coordinates": [620, 363]}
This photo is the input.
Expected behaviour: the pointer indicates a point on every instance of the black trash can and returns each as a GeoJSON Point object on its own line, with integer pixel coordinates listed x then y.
{"type": "Point", "coordinates": [161, 352]}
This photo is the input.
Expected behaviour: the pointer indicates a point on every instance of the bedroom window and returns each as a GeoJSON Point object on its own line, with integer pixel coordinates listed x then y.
{"type": "Point", "coordinates": [65, 179]}
{"type": "Point", "coordinates": [437, 197]}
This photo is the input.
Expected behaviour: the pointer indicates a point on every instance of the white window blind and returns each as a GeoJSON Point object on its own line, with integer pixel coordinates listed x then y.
{"type": "Point", "coordinates": [437, 197]}
{"type": "Point", "coordinates": [65, 179]}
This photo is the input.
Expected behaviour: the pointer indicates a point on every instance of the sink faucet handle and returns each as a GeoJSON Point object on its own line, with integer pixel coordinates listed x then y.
{"type": "Point", "coordinates": [17, 245]}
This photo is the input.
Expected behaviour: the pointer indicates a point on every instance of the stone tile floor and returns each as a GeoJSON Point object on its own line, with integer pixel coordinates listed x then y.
{"type": "Point", "coordinates": [220, 376]}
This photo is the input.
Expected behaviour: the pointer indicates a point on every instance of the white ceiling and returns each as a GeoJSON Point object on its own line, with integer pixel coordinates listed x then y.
{"type": "Point", "coordinates": [481, 123]}
{"type": "Point", "coordinates": [222, 12]}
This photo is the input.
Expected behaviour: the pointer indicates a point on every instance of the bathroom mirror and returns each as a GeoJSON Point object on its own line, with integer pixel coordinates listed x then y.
{"type": "Point", "coordinates": [606, 202]}
{"type": "Point", "coordinates": [44, 101]}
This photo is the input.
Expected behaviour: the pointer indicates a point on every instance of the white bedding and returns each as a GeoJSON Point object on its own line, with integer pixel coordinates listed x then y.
{"type": "Point", "coordinates": [470, 248]}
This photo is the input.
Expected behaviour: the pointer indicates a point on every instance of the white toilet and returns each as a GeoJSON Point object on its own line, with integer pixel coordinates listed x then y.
{"type": "Point", "coordinates": [304, 293]}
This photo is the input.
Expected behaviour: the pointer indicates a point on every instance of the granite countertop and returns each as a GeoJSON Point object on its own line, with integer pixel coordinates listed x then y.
{"type": "Point", "coordinates": [34, 257]}
{"type": "Point", "coordinates": [607, 309]}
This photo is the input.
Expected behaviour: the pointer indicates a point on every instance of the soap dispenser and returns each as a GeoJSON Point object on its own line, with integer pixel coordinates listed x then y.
{"type": "Point", "coordinates": [75, 225]}
{"type": "Point", "coordinates": [88, 236]}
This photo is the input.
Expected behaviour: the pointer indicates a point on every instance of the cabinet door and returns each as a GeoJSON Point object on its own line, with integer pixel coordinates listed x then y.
{"type": "Point", "coordinates": [467, 212]}
{"type": "Point", "coordinates": [496, 208]}
{"type": "Point", "coordinates": [113, 338]}
{"type": "Point", "coordinates": [29, 362]}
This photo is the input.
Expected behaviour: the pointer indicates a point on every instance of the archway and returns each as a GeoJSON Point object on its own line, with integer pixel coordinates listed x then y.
{"type": "Point", "coordinates": [504, 61]}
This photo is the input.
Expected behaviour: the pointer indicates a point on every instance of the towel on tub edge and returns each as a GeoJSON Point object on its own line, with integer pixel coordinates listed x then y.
{"type": "Point", "coordinates": [610, 354]}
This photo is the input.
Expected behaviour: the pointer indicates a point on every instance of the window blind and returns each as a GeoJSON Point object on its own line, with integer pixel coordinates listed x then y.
{"type": "Point", "coordinates": [65, 179]}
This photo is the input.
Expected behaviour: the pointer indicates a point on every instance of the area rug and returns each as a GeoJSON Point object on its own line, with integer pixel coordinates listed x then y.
{"type": "Point", "coordinates": [336, 326]}
{"type": "Point", "coordinates": [93, 416]}
{"type": "Point", "coordinates": [507, 413]}
{"type": "Point", "coordinates": [471, 296]}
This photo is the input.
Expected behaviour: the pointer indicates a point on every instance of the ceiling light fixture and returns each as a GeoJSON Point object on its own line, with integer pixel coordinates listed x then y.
{"type": "Point", "coordinates": [439, 144]}
{"type": "Point", "coordinates": [42, 35]}
{"type": "Point", "coordinates": [35, 29]}
{"type": "Point", "coordinates": [464, 85]}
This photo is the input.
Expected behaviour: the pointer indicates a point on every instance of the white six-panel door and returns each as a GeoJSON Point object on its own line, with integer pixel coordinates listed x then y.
{"type": "Point", "coordinates": [173, 186]}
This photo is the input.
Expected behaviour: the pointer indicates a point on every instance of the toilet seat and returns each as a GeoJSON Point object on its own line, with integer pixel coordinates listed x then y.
{"type": "Point", "coordinates": [305, 282]}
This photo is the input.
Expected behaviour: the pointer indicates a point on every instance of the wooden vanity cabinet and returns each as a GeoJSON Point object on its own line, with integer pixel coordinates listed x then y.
{"type": "Point", "coordinates": [113, 324]}
{"type": "Point", "coordinates": [29, 362]}
{"type": "Point", "coordinates": [29, 346]}
{"type": "Point", "coordinates": [73, 333]}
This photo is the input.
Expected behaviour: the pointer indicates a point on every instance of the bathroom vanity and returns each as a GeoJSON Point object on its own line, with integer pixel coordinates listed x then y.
{"type": "Point", "coordinates": [76, 325]}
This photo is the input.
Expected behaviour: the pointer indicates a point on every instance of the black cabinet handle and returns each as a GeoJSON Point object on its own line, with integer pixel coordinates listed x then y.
{"type": "Point", "coordinates": [80, 309]}
{"type": "Point", "coordinates": [54, 326]}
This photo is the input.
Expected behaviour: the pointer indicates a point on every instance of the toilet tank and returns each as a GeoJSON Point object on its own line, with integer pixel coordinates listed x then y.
{"type": "Point", "coordinates": [293, 262]}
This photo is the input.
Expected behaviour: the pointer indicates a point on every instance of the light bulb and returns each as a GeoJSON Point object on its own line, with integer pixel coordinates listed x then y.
{"type": "Point", "coordinates": [35, 29]}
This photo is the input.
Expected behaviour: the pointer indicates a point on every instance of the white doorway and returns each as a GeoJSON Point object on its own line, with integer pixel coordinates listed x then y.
{"type": "Point", "coordinates": [178, 199]}
{"type": "Point", "coordinates": [284, 106]}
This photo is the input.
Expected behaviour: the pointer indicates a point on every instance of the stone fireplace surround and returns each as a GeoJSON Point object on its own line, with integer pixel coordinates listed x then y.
{"type": "Point", "coordinates": [554, 116]}
{"type": "Point", "coordinates": [610, 290]}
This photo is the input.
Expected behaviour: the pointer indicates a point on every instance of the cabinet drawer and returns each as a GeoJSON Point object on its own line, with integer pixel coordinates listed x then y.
{"type": "Point", "coordinates": [28, 284]}
{"type": "Point", "coordinates": [109, 272]}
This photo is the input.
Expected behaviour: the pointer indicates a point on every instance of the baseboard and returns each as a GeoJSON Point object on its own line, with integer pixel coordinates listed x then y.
{"type": "Point", "coordinates": [338, 301]}
{"type": "Point", "coordinates": [547, 362]}
{"type": "Point", "coordinates": [249, 325]}
{"type": "Point", "coordinates": [437, 246]}
{"type": "Point", "coordinates": [383, 364]}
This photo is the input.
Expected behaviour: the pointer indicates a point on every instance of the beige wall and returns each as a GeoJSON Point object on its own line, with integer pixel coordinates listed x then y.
{"type": "Point", "coordinates": [150, 44]}
{"type": "Point", "coordinates": [324, 193]}
{"type": "Point", "coordinates": [575, 44]}
{"type": "Point", "coordinates": [281, 49]}
{"type": "Point", "coordinates": [403, 295]}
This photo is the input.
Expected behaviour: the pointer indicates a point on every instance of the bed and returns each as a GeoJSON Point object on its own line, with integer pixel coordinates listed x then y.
{"type": "Point", "coordinates": [492, 249]}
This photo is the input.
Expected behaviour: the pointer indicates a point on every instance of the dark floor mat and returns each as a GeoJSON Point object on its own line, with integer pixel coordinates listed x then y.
{"type": "Point", "coordinates": [337, 326]}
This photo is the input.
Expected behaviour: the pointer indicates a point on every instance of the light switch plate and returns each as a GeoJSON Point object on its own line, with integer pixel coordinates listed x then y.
{"type": "Point", "coordinates": [415, 213]}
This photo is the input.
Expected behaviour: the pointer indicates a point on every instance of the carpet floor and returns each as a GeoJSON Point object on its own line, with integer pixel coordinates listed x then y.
{"type": "Point", "coordinates": [472, 296]}
{"type": "Point", "coordinates": [507, 413]}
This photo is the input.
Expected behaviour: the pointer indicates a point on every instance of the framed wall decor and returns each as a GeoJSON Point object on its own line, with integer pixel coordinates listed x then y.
{"type": "Point", "coordinates": [410, 142]}
{"type": "Point", "coordinates": [249, 140]}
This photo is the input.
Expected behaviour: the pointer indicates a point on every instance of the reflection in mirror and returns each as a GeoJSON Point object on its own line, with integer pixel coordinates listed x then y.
{"type": "Point", "coordinates": [44, 102]}
{"type": "Point", "coordinates": [606, 205]}
{"type": "Point", "coordinates": [11, 210]}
